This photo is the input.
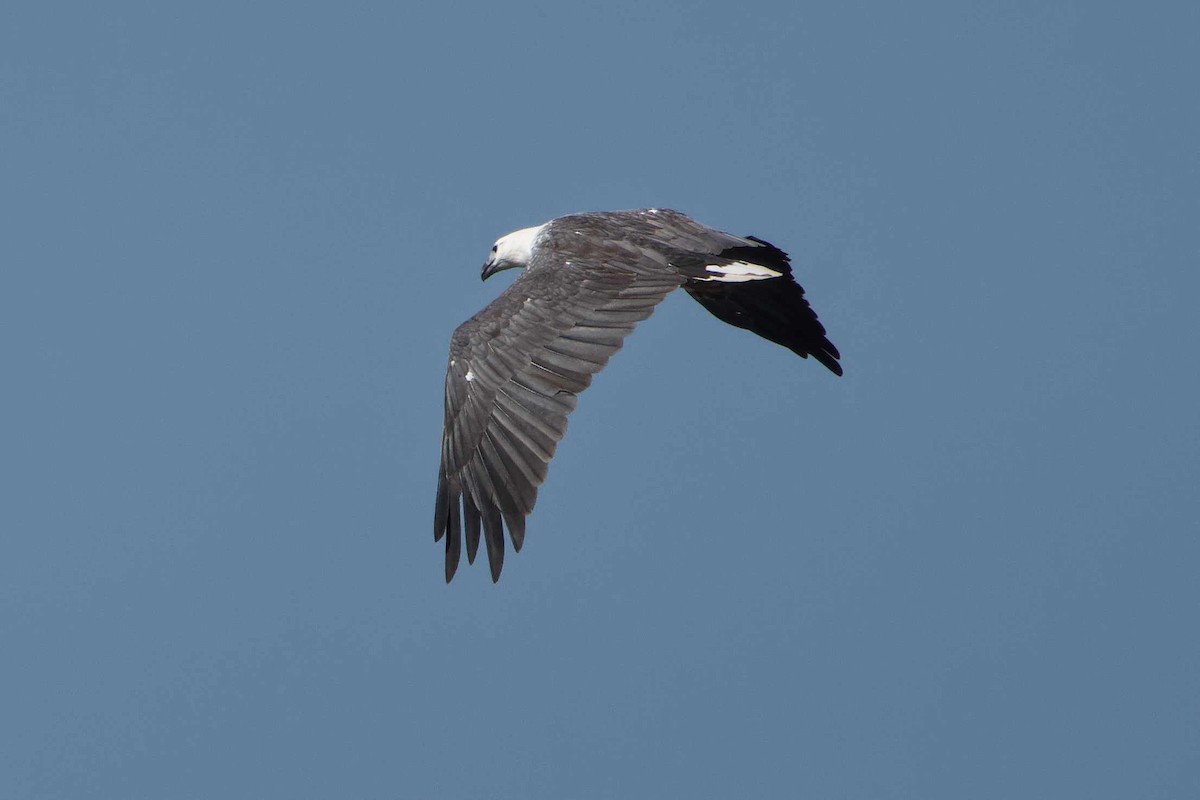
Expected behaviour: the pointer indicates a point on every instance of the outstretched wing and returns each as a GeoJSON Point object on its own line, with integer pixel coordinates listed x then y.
{"type": "Point", "coordinates": [515, 371]}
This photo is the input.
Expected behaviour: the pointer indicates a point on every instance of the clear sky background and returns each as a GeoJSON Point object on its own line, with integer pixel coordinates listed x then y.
{"type": "Point", "coordinates": [234, 242]}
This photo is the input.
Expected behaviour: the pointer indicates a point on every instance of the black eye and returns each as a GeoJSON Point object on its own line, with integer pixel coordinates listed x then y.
{"type": "Point", "coordinates": [493, 248]}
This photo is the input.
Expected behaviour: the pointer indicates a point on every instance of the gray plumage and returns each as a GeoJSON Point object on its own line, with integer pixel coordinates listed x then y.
{"type": "Point", "coordinates": [517, 367]}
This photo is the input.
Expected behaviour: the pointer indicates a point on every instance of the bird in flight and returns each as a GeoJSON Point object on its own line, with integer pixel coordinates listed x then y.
{"type": "Point", "coordinates": [517, 367]}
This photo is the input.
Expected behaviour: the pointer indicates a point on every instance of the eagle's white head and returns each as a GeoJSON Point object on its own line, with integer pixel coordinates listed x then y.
{"type": "Point", "coordinates": [511, 250]}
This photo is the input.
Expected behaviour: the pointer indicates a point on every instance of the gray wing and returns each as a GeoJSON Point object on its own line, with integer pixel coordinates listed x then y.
{"type": "Point", "coordinates": [515, 371]}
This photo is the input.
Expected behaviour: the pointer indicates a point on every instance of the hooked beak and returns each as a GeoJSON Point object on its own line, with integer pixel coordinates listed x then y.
{"type": "Point", "coordinates": [495, 265]}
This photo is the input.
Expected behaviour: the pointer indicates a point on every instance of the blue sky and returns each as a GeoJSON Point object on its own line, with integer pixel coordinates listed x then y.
{"type": "Point", "coordinates": [236, 241]}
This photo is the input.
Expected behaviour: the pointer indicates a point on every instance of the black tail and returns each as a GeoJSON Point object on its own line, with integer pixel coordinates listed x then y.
{"type": "Point", "coordinates": [774, 308]}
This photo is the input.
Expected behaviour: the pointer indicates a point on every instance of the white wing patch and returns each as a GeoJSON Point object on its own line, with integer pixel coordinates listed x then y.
{"type": "Point", "coordinates": [470, 375]}
{"type": "Point", "coordinates": [739, 272]}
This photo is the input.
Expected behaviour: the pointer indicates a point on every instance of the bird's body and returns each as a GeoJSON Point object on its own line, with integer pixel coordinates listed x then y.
{"type": "Point", "coordinates": [518, 365]}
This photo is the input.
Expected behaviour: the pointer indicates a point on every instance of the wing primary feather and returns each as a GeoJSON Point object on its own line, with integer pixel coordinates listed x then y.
{"type": "Point", "coordinates": [441, 511]}
{"type": "Point", "coordinates": [516, 530]}
{"type": "Point", "coordinates": [471, 524]}
{"type": "Point", "coordinates": [493, 531]}
{"type": "Point", "coordinates": [453, 539]}
{"type": "Point", "coordinates": [484, 494]}
{"type": "Point", "coordinates": [513, 506]}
